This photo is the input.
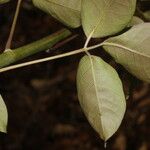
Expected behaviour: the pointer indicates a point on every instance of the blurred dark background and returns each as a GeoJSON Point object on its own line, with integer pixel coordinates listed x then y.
{"type": "Point", "coordinates": [44, 112]}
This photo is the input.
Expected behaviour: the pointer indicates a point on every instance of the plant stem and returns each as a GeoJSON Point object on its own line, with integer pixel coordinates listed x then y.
{"type": "Point", "coordinates": [48, 58]}
{"type": "Point", "coordinates": [88, 39]}
{"type": "Point", "coordinates": [9, 57]}
{"type": "Point", "coordinates": [87, 42]}
{"type": "Point", "coordinates": [4, 1]}
{"type": "Point", "coordinates": [72, 53]}
{"type": "Point", "coordinates": [41, 60]}
{"type": "Point", "coordinates": [8, 44]}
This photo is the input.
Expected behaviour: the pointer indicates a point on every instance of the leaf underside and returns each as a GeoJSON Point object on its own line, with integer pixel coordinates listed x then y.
{"type": "Point", "coordinates": [67, 12]}
{"type": "Point", "coordinates": [106, 17]}
{"type": "Point", "coordinates": [135, 21]}
{"type": "Point", "coordinates": [101, 95]}
{"type": "Point", "coordinates": [136, 61]}
{"type": "Point", "coordinates": [3, 116]}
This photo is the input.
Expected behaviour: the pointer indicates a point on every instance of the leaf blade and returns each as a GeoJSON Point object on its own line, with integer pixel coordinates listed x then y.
{"type": "Point", "coordinates": [3, 116]}
{"type": "Point", "coordinates": [67, 12]}
{"type": "Point", "coordinates": [106, 17]}
{"type": "Point", "coordinates": [137, 61]}
{"type": "Point", "coordinates": [109, 104]}
{"type": "Point", "coordinates": [135, 21]}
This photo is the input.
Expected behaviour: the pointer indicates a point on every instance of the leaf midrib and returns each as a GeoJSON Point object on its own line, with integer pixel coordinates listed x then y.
{"type": "Point", "coordinates": [96, 91]}
{"type": "Point", "coordinates": [102, 14]}
{"type": "Point", "coordinates": [126, 48]}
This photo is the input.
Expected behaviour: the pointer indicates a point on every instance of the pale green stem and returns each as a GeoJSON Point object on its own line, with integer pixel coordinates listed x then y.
{"type": "Point", "coordinates": [69, 54]}
{"type": "Point", "coordinates": [8, 44]}
{"type": "Point", "coordinates": [3, 1]}
{"type": "Point", "coordinates": [88, 39]}
{"type": "Point", "coordinates": [45, 59]}
{"type": "Point", "coordinates": [41, 60]}
{"type": "Point", "coordinates": [87, 42]}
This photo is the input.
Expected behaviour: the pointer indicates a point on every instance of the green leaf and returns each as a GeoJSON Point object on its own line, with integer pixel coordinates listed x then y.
{"type": "Point", "coordinates": [135, 21]}
{"type": "Point", "coordinates": [132, 50]}
{"type": "Point", "coordinates": [101, 95]}
{"type": "Point", "coordinates": [66, 11]}
{"type": "Point", "coordinates": [147, 15]}
{"type": "Point", "coordinates": [106, 17]}
{"type": "Point", "coordinates": [3, 116]}
{"type": "Point", "coordinates": [3, 1]}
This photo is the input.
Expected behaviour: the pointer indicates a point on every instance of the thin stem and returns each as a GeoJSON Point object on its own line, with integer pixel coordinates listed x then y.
{"type": "Point", "coordinates": [87, 42]}
{"type": "Point", "coordinates": [45, 59]}
{"type": "Point", "coordinates": [41, 60]}
{"type": "Point", "coordinates": [88, 39]}
{"type": "Point", "coordinates": [9, 41]}
{"type": "Point", "coordinates": [71, 53]}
